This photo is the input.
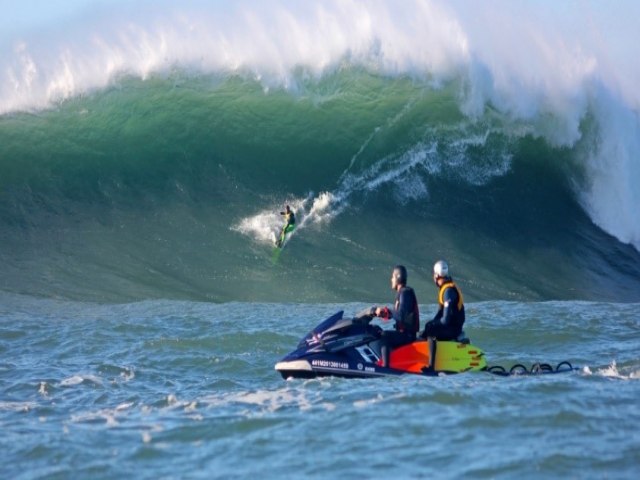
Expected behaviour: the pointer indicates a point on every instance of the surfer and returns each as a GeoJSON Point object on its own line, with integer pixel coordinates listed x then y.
{"type": "Point", "coordinates": [448, 321]}
{"type": "Point", "coordinates": [405, 313]}
{"type": "Point", "coordinates": [290, 219]}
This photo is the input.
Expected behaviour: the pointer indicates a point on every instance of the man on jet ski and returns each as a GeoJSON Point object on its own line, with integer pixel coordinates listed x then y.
{"type": "Point", "coordinates": [447, 324]}
{"type": "Point", "coordinates": [404, 312]}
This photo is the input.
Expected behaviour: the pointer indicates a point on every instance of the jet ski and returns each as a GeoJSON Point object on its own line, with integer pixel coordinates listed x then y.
{"type": "Point", "coordinates": [352, 347]}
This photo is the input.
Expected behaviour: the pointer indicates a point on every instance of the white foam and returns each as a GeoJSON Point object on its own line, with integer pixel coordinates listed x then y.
{"type": "Point", "coordinates": [79, 379]}
{"type": "Point", "coordinates": [265, 226]}
{"type": "Point", "coordinates": [261, 227]}
{"type": "Point", "coordinates": [108, 415]}
{"type": "Point", "coordinates": [263, 400]}
{"type": "Point", "coordinates": [124, 406]}
{"type": "Point", "coordinates": [612, 371]}
{"type": "Point", "coordinates": [42, 390]}
{"type": "Point", "coordinates": [17, 406]}
{"type": "Point", "coordinates": [534, 58]}
{"type": "Point", "coordinates": [128, 374]}
{"type": "Point", "coordinates": [323, 208]}
{"type": "Point", "coordinates": [395, 171]}
{"type": "Point", "coordinates": [612, 193]}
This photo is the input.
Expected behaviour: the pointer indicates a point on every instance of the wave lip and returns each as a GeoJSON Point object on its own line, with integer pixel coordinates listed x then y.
{"type": "Point", "coordinates": [268, 41]}
{"type": "Point", "coordinates": [530, 60]}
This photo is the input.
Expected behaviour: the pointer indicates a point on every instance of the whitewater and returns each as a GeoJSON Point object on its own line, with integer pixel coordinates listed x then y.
{"type": "Point", "coordinates": [146, 150]}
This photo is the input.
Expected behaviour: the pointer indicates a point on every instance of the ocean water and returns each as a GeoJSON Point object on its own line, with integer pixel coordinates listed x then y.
{"type": "Point", "coordinates": [146, 149]}
{"type": "Point", "coordinates": [167, 389]}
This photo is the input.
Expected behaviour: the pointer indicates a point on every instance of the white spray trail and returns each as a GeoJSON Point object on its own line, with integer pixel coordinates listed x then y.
{"type": "Point", "coordinates": [265, 226]}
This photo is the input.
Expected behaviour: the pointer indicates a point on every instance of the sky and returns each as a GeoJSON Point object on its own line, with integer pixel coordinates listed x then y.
{"type": "Point", "coordinates": [20, 15]}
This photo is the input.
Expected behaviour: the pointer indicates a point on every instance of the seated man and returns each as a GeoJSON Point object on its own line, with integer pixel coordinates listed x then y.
{"type": "Point", "coordinates": [405, 313]}
{"type": "Point", "coordinates": [448, 321]}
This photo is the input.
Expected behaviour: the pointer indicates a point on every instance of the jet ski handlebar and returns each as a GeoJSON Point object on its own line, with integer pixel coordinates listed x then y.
{"type": "Point", "coordinates": [365, 316]}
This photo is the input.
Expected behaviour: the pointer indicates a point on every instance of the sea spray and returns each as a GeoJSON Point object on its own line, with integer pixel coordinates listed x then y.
{"type": "Point", "coordinates": [265, 226]}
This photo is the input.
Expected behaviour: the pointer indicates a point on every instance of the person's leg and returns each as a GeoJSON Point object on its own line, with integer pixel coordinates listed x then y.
{"type": "Point", "coordinates": [393, 339]}
{"type": "Point", "coordinates": [438, 330]}
{"type": "Point", "coordinates": [388, 341]}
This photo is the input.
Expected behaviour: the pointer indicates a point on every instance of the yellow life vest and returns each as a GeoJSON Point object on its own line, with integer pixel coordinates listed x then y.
{"type": "Point", "coordinates": [446, 285]}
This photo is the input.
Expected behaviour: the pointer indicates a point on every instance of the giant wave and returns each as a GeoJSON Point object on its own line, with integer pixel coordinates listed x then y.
{"type": "Point", "coordinates": [147, 150]}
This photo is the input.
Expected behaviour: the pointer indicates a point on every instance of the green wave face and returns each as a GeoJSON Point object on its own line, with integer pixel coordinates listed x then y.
{"type": "Point", "coordinates": [171, 187]}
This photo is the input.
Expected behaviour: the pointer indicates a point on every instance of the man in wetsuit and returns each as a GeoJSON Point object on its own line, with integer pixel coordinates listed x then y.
{"type": "Point", "coordinates": [404, 312]}
{"type": "Point", "coordinates": [289, 226]}
{"type": "Point", "coordinates": [448, 321]}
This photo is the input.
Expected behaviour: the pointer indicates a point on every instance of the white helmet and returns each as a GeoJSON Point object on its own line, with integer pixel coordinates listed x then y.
{"type": "Point", "coordinates": [440, 269]}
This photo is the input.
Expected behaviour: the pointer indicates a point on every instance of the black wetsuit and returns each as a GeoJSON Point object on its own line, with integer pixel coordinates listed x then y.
{"type": "Point", "coordinates": [290, 218]}
{"type": "Point", "coordinates": [448, 322]}
{"type": "Point", "coordinates": [407, 319]}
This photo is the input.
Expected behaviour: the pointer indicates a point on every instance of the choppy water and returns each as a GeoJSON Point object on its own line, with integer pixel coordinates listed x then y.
{"type": "Point", "coordinates": [187, 390]}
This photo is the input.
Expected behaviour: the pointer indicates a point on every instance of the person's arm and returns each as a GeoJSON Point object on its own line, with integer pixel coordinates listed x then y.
{"type": "Point", "coordinates": [383, 312]}
{"type": "Point", "coordinates": [404, 308]}
{"type": "Point", "coordinates": [450, 299]}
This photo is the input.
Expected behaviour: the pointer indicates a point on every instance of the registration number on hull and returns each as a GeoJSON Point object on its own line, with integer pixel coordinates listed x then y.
{"type": "Point", "coordinates": [330, 364]}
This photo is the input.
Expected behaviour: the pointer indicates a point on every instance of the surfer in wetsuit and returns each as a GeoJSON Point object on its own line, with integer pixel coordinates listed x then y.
{"type": "Point", "coordinates": [290, 224]}
{"type": "Point", "coordinates": [404, 312]}
{"type": "Point", "coordinates": [448, 321]}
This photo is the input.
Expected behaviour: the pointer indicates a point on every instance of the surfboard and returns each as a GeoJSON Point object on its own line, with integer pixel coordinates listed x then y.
{"type": "Point", "coordinates": [450, 357]}
{"type": "Point", "coordinates": [458, 357]}
{"type": "Point", "coordinates": [282, 240]}
{"type": "Point", "coordinates": [279, 243]}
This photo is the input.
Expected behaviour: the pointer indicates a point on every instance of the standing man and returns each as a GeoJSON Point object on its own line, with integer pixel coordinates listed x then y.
{"type": "Point", "coordinates": [448, 321]}
{"type": "Point", "coordinates": [288, 227]}
{"type": "Point", "coordinates": [404, 312]}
